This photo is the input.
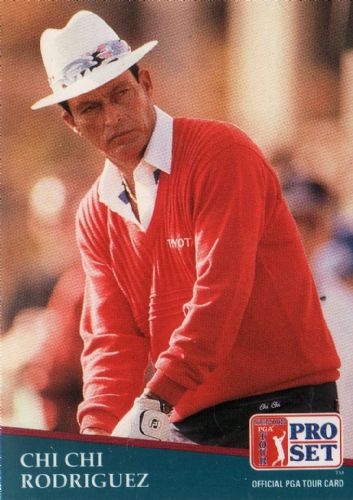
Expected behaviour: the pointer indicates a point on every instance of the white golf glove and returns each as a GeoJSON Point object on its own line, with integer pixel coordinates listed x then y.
{"type": "Point", "coordinates": [145, 420]}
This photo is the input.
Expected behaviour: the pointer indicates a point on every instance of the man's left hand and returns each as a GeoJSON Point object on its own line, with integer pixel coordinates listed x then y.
{"type": "Point", "coordinates": [145, 420]}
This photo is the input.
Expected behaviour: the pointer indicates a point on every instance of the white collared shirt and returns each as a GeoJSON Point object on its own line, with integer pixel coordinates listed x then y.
{"type": "Point", "coordinates": [157, 157]}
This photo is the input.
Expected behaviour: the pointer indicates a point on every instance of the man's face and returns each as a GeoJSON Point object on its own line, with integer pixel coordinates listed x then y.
{"type": "Point", "coordinates": [117, 118]}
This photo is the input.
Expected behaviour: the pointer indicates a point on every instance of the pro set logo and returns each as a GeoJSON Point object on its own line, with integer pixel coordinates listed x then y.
{"type": "Point", "coordinates": [296, 441]}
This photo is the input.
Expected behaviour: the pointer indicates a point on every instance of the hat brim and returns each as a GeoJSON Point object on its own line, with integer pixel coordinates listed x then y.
{"type": "Point", "coordinates": [94, 79]}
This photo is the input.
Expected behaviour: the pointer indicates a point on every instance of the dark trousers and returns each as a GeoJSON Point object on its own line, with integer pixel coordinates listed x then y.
{"type": "Point", "coordinates": [227, 424]}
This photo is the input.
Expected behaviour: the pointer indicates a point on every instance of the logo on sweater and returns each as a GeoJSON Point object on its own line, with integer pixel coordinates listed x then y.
{"type": "Point", "coordinates": [180, 242]}
{"type": "Point", "coordinates": [296, 441]}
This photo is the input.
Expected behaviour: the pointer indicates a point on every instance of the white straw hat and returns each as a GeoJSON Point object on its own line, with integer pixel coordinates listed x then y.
{"type": "Point", "coordinates": [84, 55]}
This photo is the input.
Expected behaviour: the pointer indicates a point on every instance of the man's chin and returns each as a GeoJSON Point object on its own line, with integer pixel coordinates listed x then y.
{"type": "Point", "coordinates": [126, 153]}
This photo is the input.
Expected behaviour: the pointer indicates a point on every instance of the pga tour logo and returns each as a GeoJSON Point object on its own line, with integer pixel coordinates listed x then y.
{"type": "Point", "coordinates": [296, 441]}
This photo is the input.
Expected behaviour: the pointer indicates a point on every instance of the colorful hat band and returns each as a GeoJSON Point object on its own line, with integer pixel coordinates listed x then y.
{"type": "Point", "coordinates": [105, 53]}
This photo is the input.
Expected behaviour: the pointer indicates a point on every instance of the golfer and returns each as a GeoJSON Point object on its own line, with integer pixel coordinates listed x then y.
{"type": "Point", "coordinates": [192, 261]}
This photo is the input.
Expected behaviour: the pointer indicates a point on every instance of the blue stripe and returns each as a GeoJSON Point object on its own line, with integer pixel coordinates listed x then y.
{"type": "Point", "coordinates": [156, 175]}
{"type": "Point", "coordinates": [124, 197]}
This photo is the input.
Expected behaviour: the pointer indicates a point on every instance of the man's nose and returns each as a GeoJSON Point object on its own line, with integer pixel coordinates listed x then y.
{"type": "Point", "coordinates": [112, 114]}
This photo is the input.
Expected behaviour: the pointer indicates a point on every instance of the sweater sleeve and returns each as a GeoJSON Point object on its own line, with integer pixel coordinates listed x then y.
{"type": "Point", "coordinates": [229, 217]}
{"type": "Point", "coordinates": [115, 352]}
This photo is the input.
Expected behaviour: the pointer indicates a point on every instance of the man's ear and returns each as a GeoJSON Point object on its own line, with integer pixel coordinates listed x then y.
{"type": "Point", "coordinates": [145, 81]}
{"type": "Point", "coordinates": [70, 122]}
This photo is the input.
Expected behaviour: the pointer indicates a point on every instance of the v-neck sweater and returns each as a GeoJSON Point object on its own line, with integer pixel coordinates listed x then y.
{"type": "Point", "coordinates": [217, 290]}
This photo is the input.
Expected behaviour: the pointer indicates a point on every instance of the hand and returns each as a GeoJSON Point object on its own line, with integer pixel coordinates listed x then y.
{"type": "Point", "coordinates": [145, 420]}
{"type": "Point", "coordinates": [165, 406]}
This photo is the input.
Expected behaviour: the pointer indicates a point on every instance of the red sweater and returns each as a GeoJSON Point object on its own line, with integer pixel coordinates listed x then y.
{"type": "Point", "coordinates": [217, 290]}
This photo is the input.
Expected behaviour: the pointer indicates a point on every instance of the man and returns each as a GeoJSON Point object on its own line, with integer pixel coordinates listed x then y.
{"type": "Point", "coordinates": [280, 451]}
{"type": "Point", "coordinates": [315, 209]}
{"type": "Point", "coordinates": [191, 258]}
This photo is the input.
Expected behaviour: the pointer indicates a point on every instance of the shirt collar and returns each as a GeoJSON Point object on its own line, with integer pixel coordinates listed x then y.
{"type": "Point", "coordinates": [159, 150]}
{"type": "Point", "coordinates": [158, 154]}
